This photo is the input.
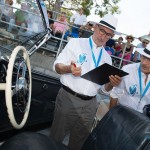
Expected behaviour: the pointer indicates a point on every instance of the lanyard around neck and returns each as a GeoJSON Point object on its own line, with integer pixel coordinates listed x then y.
{"type": "Point", "coordinates": [93, 56]}
{"type": "Point", "coordinates": [140, 82]}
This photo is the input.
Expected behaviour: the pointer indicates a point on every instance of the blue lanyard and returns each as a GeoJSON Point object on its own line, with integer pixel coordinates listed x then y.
{"type": "Point", "coordinates": [93, 56]}
{"type": "Point", "coordinates": [140, 82]}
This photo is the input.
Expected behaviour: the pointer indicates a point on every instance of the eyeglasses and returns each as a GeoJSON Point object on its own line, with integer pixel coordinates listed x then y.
{"type": "Point", "coordinates": [145, 42]}
{"type": "Point", "coordinates": [103, 32]}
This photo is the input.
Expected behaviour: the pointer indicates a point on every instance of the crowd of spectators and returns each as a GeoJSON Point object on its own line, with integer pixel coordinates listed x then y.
{"type": "Point", "coordinates": [86, 31]}
{"type": "Point", "coordinates": [7, 12]}
{"type": "Point", "coordinates": [20, 18]}
{"type": "Point", "coordinates": [66, 28]}
{"type": "Point", "coordinates": [24, 20]}
{"type": "Point", "coordinates": [78, 20]}
{"type": "Point", "coordinates": [75, 26]}
{"type": "Point", "coordinates": [125, 50]}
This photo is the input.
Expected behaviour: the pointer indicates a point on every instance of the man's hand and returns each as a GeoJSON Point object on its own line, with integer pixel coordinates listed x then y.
{"type": "Point", "coordinates": [76, 71]}
{"type": "Point", "coordinates": [64, 69]}
{"type": "Point", "coordinates": [115, 80]}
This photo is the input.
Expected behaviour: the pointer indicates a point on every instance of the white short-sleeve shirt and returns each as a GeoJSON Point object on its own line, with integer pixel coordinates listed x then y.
{"type": "Point", "coordinates": [128, 92]}
{"type": "Point", "coordinates": [79, 51]}
{"type": "Point", "coordinates": [78, 19]}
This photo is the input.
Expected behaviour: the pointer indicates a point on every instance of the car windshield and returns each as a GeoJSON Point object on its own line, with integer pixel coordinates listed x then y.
{"type": "Point", "coordinates": [21, 23]}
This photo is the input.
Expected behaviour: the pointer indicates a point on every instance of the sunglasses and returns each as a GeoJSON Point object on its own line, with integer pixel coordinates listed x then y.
{"type": "Point", "coordinates": [145, 42]}
{"type": "Point", "coordinates": [129, 38]}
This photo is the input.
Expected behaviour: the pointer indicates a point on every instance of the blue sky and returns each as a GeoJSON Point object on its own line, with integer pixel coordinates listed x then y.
{"type": "Point", "coordinates": [134, 17]}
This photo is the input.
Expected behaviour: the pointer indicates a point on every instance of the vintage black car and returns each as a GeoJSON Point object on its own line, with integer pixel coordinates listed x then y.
{"type": "Point", "coordinates": [21, 75]}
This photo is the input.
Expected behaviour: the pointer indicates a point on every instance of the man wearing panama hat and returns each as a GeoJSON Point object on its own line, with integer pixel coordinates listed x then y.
{"type": "Point", "coordinates": [76, 101]}
{"type": "Point", "coordinates": [144, 41]}
{"type": "Point", "coordinates": [134, 90]}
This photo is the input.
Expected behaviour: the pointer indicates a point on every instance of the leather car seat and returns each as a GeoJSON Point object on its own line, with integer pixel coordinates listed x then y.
{"type": "Point", "coordinates": [121, 128]}
{"type": "Point", "coordinates": [32, 141]}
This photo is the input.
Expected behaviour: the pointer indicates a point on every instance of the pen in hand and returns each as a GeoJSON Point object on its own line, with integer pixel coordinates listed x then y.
{"type": "Point", "coordinates": [76, 71]}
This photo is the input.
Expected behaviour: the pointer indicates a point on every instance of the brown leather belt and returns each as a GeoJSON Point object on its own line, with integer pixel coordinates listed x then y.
{"type": "Point", "coordinates": [83, 97]}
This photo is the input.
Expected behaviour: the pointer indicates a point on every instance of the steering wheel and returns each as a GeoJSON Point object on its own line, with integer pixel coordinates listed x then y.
{"type": "Point", "coordinates": [3, 71]}
{"type": "Point", "coordinates": [22, 87]}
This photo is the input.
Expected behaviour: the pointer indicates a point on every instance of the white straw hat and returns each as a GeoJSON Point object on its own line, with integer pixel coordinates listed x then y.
{"type": "Point", "coordinates": [145, 37]}
{"type": "Point", "coordinates": [108, 21]}
{"type": "Point", "coordinates": [144, 51]}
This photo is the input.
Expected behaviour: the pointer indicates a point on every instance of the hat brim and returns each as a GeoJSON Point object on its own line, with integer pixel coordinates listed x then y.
{"type": "Point", "coordinates": [145, 37]}
{"type": "Point", "coordinates": [141, 51]}
{"type": "Point", "coordinates": [102, 25]}
{"type": "Point", "coordinates": [115, 32]}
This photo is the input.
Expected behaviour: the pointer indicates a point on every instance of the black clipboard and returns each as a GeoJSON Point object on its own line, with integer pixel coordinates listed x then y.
{"type": "Point", "coordinates": [100, 75]}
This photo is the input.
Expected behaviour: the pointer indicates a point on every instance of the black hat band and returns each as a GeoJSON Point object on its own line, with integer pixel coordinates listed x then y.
{"type": "Point", "coordinates": [147, 51]}
{"type": "Point", "coordinates": [105, 23]}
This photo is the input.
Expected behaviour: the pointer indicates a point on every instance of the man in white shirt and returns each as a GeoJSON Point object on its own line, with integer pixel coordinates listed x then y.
{"type": "Point", "coordinates": [144, 41]}
{"type": "Point", "coordinates": [77, 20]}
{"type": "Point", "coordinates": [134, 90]}
{"type": "Point", "coordinates": [76, 102]}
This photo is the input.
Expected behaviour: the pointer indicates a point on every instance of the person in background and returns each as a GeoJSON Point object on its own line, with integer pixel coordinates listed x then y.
{"type": "Point", "coordinates": [128, 47]}
{"type": "Point", "coordinates": [51, 21]}
{"type": "Point", "coordinates": [109, 47]}
{"type": "Point", "coordinates": [60, 26]}
{"type": "Point", "coordinates": [78, 20]}
{"type": "Point", "coordinates": [20, 18]}
{"type": "Point", "coordinates": [76, 103]}
{"type": "Point", "coordinates": [134, 90]}
{"type": "Point", "coordinates": [2, 2]}
{"type": "Point", "coordinates": [144, 41]}
{"type": "Point", "coordinates": [8, 11]}
{"type": "Point", "coordinates": [34, 21]}
{"type": "Point", "coordinates": [118, 46]}
{"type": "Point", "coordinates": [86, 31]}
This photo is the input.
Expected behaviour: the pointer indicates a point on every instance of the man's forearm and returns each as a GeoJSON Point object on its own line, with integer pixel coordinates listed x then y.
{"type": "Point", "coordinates": [62, 69]}
{"type": "Point", "coordinates": [113, 102]}
{"type": "Point", "coordinates": [108, 87]}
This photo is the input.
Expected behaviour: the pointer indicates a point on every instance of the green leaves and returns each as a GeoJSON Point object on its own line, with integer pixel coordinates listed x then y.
{"type": "Point", "coordinates": [101, 7]}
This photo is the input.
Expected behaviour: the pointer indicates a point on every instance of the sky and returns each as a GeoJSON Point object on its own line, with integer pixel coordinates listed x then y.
{"type": "Point", "coordinates": [134, 18]}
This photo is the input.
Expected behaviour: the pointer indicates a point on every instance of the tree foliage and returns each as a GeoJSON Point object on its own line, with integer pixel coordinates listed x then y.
{"type": "Point", "coordinates": [101, 7]}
